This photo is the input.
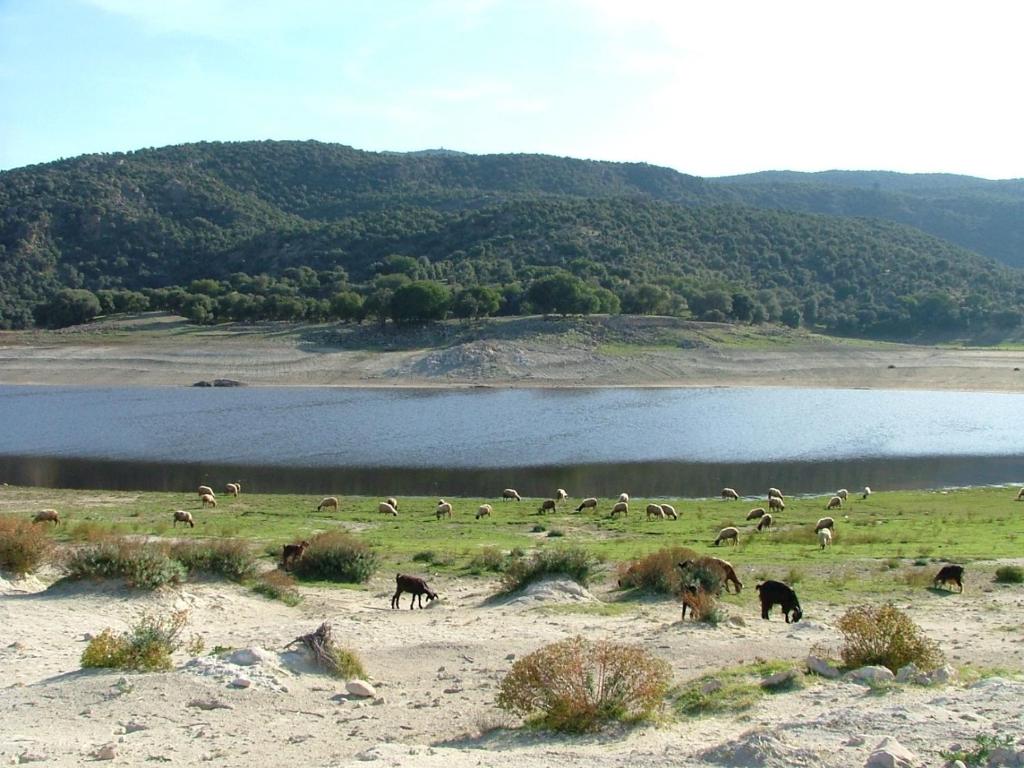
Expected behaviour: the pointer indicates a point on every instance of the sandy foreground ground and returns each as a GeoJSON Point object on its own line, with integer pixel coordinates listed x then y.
{"type": "Point", "coordinates": [437, 671]}
{"type": "Point", "coordinates": [163, 351]}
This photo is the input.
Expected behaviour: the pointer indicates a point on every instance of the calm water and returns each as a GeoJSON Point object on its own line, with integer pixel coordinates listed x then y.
{"type": "Point", "coordinates": [666, 441]}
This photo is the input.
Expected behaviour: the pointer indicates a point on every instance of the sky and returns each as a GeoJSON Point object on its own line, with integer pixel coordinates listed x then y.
{"type": "Point", "coordinates": [709, 87]}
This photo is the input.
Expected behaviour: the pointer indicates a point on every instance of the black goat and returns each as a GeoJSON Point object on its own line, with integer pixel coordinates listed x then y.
{"type": "Point", "coordinates": [950, 573]}
{"type": "Point", "coordinates": [415, 586]}
{"type": "Point", "coordinates": [776, 593]}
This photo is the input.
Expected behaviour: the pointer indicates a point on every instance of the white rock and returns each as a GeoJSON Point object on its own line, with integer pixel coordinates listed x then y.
{"type": "Point", "coordinates": [821, 667]}
{"type": "Point", "coordinates": [940, 676]}
{"type": "Point", "coordinates": [870, 675]}
{"type": "Point", "coordinates": [31, 757]}
{"type": "Point", "coordinates": [959, 764]}
{"type": "Point", "coordinates": [360, 688]}
{"type": "Point", "coordinates": [907, 673]}
{"type": "Point", "coordinates": [247, 657]}
{"type": "Point", "coordinates": [891, 754]}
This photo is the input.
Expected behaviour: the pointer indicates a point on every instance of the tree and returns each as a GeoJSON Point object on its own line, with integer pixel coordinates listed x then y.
{"type": "Point", "coordinates": [477, 301]}
{"type": "Point", "coordinates": [420, 301]}
{"type": "Point", "coordinates": [563, 293]}
{"type": "Point", "coordinates": [646, 299]}
{"type": "Point", "coordinates": [347, 305]}
{"type": "Point", "coordinates": [791, 317]}
{"type": "Point", "coordinates": [69, 306]}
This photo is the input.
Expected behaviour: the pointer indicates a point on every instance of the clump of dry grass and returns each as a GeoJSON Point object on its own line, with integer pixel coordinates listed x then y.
{"type": "Point", "coordinates": [24, 546]}
{"type": "Point", "coordinates": [885, 636]}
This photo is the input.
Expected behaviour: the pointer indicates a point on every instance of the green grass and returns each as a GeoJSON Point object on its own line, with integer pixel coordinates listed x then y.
{"type": "Point", "coordinates": [888, 529]}
{"type": "Point", "coordinates": [730, 690]}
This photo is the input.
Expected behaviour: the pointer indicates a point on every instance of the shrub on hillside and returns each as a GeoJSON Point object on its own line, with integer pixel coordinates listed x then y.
{"type": "Point", "coordinates": [574, 562]}
{"type": "Point", "coordinates": [1010, 574]}
{"type": "Point", "coordinates": [277, 585]}
{"type": "Point", "coordinates": [23, 545]}
{"type": "Point", "coordinates": [337, 556]}
{"type": "Point", "coordinates": [657, 572]}
{"type": "Point", "coordinates": [577, 685]}
{"type": "Point", "coordinates": [146, 647]}
{"type": "Point", "coordinates": [231, 558]}
{"type": "Point", "coordinates": [488, 559]}
{"type": "Point", "coordinates": [143, 566]}
{"type": "Point", "coordinates": [885, 636]}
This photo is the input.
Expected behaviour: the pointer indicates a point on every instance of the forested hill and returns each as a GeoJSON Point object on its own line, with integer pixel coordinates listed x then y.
{"type": "Point", "coordinates": [982, 215]}
{"type": "Point", "coordinates": [304, 230]}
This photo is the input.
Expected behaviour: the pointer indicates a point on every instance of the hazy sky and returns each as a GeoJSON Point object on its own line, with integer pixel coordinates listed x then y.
{"type": "Point", "coordinates": [710, 87]}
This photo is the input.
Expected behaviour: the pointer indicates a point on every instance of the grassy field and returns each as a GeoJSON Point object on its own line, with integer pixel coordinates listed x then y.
{"type": "Point", "coordinates": [888, 544]}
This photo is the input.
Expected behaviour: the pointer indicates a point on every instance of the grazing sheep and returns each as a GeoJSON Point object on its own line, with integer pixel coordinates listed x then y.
{"type": "Point", "coordinates": [1020, 494]}
{"type": "Point", "coordinates": [484, 510]}
{"type": "Point", "coordinates": [622, 507]}
{"type": "Point", "coordinates": [765, 523]}
{"type": "Point", "coordinates": [233, 489]}
{"type": "Point", "coordinates": [208, 500]}
{"type": "Point", "coordinates": [330, 501]}
{"type": "Point", "coordinates": [773, 593]}
{"type": "Point", "coordinates": [47, 516]}
{"type": "Point", "coordinates": [392, 501]}
{"type": "Point", "coordinates": [730, 533]}
{"type": "Point", "coordinates": [291, 553]}
{"type": "Point", "coordinates": [655, 510]}
{"type": "Point", "coordinates": [511, 494]}
{"type": "Point", "coordinates": [950, 573]}
{"type": "Point", "coordinates": [590, 503]}
{"type": "Point", "coordinates": [546, 505]}
{"type": "Point", "coordinates": [867, 492]}
{"type": "Point", "coordinates": [825, 537]}
{"type": "Point", "coordinates": [834, 503]}
{"type": "Point", "coordinates": [775, 504]}
{"type": "Point", "coordinates": [624, 498]}
{"type": "Point", "coordinates": [183, 516]}
{"type": "Point", "coordinates": [444, 509]}
{"type": "Point", "coordinates": [205, 489]}
{"type": "Point", "coordinates": [386, 509]}
{"type": "Point", "coordinates": [825, 522]}
{"type": "Point", "coordinates": [756, 513]}
{"type": "Point", "coordinates": [414, 585]}
{"type": "Point", "coordinates": [729, 493]}
{"type": "Point", "coordinates": [560, 494]}
{"type": "Point", "coordinates": [776, 493]}
{"type": "Point", "coordinates": [843, 494]}
{"type": "Point", "coordinates": [722, 568]}
{"type": "Point", "coordinates": [669, 511]}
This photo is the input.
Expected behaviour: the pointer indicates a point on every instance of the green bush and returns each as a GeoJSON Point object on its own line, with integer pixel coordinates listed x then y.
{"type": "Point", "coordinates": [146, 647]}
{"type": "Point", "coordinates": [576, 685]}
{"type": "Point", "coordinates": [24, 545]}
{"type": "Point", "coordinates": [573, 562]}
{"type": "Point", "coordinates": [277, 585]}
{"type": "Point", "coordinates": [1010, 574]}
{"type": "Point", "coordinates": [488, 559]}
{"type": "Point", "coordinates": [887, 637]}
{"type": "Point", "coordinates": [657, 572]}
{"type": "Point", "coordinates": [337, 556]}
{"type": "Point", "coordinates": [143, 566]}
{"type": "Point", "coordinates": [231, 558]}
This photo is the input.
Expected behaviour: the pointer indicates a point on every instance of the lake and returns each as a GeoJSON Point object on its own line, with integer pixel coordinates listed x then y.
{"type": "Point", "coordinates": [678, 442]}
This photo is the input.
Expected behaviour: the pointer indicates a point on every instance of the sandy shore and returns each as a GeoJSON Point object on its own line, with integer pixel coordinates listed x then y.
{"type": "Point", "coordinates": [164, 351]}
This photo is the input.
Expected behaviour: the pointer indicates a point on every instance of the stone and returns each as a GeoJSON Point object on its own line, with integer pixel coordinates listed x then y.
{"type": "Point", "coordinates": [133, 727]}
{"type": "Point", "coordinates": [711, 686]}
{"type": "Point", "coordinates": [780, 679]}
{"type": "Point", "coordinates": [821, 667]}
{"type": "Point", "coordinates": [241, 682]}
{"type": "Point", "coordinates": [209, 704]}
{"type": "Point", "coordinates": [907, 673]}
{"type": "Point", "coordinates": [106, 752]}
{"type": "Point", "coordinates": [941, 676]}
{"type": "Point", "coordinates": [31, 757]}
{"type": "Point", "coordinates": [959, 764]}
{"type": "Point", "coordinates": [247, 657]}
{"type": "Point", "coordinates": [361, 688]}
{"type": "Point", "coordinates": [891, 754]}
{"type": "Point", "coordinates": [870, 676]}
{"type": "Point", "coordinates": [1006, 756]}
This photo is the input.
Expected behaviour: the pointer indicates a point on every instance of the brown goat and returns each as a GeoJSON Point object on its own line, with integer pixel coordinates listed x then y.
{"type": "Point", "coordinates": [416, 586]}
{"type": "Point", "coordinates": [292, 552]}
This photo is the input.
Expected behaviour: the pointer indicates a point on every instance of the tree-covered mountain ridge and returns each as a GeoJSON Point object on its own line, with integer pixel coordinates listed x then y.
{"type": "Point", "coordinates": [283, 229]}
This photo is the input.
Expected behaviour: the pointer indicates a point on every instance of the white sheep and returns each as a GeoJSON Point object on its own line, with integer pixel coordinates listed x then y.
{"type": "Point", "coordinates": [825, 537]}
{"type": "Point", "coordinates": [843, 494]}
{"type": "Point", "coordinates": [484, 510]}
{"type": "Point", "coordinates": [387, 509]}
{"type": "Point", "coordinates": [834, 503]}
{"type": "Point", "coordinates": [589, 503]}
{"type": "Point", "coordinates": [624, 498]}
{"type": "Point", "coordinates": [182, 516]}
{"type": "Point", "coordinates": [392, 501]}
{"type": "Point", "coordinates": [757, 513]}
{"type": "Point", "coordinates": [511, 494]}
{"type": "Point", "coordinates": [47, 516]}
{"type": "Point", "coordinates": [765, 523]}
{"type": "Point", "coordinates": [444, 509]}
{"type": "Point", "coordinates": [729, 493]}
{"type": "Point", "coordinates": [825, 522]}
{"type": "Point", "coordinates": [775, 492]}
{"type": "Point", "coordinates": [329, 501]}
{"type": "Point", "coordinates": [233, 488]}
{"type": "Point", "coordinates": [867, 492]}
{"type": "Point", "coordinates": [730, 533]}
{"type": "Point", "coordinates": [560, 494]}
{"type": "Point", "coordinates": [669, 511]}
{"type": "Point", "coordinates": [655, 510]}
{"type": "Point", "coordinates": [208, 500]}
{"type": "Point", "coordinates": [205, 490]}
{"type": "Point", "coordinates": [622, 507]}
{"type": "Point", "coordinates": [775, 504]}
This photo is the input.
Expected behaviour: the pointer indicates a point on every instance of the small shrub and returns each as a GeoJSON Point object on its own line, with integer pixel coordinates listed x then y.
{"type": "Point", "coordinates": [24, 545]}
{"type": "Point", "coordinates": [657, 572]}
{"type": "Point", "coordinates": [986, 743]}
{"type": "Point", "coordinates": [795, 576]}
{"type": "Point", "coordinates": [143, 566]}
{"type": "Point", "coordinates": [329, 656]}
{"type": "Point", "coordinates": [277, 585]}
{"type": "Point", "coordinates": [146, 647]}
{"type": "Point", "coordinates": [337, 556]}
{"type": "Point", "coordinates": [231, 558]}
{"type": "Point", "coordinates": [426, 556]}
{"type": "Point", "coordinates": [538, 528]}
{"type": "Point", "coordinates": [488, 559]}
{"type": "Point", "coordinates": [704, 606]}
{"type": "Point", "coordinates": [885, 636]}
{"type": "Point", "coordinates": [732, 690]}
{"type": "Point", "coordinates": [1010, 574]}
{"type": "Point", "coordinates": [556, 533]}
{"type": "Point", "coordinates": [347, 664]}
{"type": "Point", "coordinates": [573, 562]}
{"type": "Point", "coordinates": [576, 685]}
{"type": "Point", "coordinates": [517, 552]}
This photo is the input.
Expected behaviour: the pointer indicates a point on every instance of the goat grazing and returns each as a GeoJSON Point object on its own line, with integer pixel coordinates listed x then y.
{"type": "Point", "coordinates": [622, 507]}
{"type": "Point", "coordinates": [416, 586]}
{"type": "Point", "coordinates": [47, 516]}
{"type": "Point", "coordinates": [291, 553]}
{"type": "Point", "coordinates": [330, 501]}
{"type": "Point", "coordinates": [484, 510]}
{"type": "Point", "coordinates": [589, 503]}
{"type": "Point", "coordinates": [208, 500]}
{"type": "Point", "coordinates": [547, 504]}
{"type": "Point", "coordinates": [729, 493]}
{"type": "Point", "coordinates": [670, 511]}
{"type": "Point", "coordinates": [511, 494]}
{"type": "Point", "coordinates": [721, 568]}
{"type": "Point", "coordinates": [772, 593]}
{"type": "Point", "coordinates": [950, 574]}
{"type": "Point", "coordinates": [183, 516]}
{"type": "Point", "coordinates": [834, 503]}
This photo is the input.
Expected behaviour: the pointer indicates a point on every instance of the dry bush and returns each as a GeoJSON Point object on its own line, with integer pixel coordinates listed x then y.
{"type": "Point", "coordinates": [1010, 574]}
{"type": "Point", "coordinates": [577, 685]}
{"type": "Point", "coordinates": [703, 606]}
{"type": "Point", "coordinates": [658, 572]}
{"type": "Point", "coordinates": [488, 559]}
{"type": "Point", "coordinates": [329, 656]}
{"type": "Point", "coordinates": [23, 545]}
{"type": "Point", "coordinates": [146, 647]}
{"type": "Point", "coordinates": [337, 556]}
{"type": "Point", "coordinates": [887, 637]}
{"type": "Point", "coordinates": [277, 585]}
